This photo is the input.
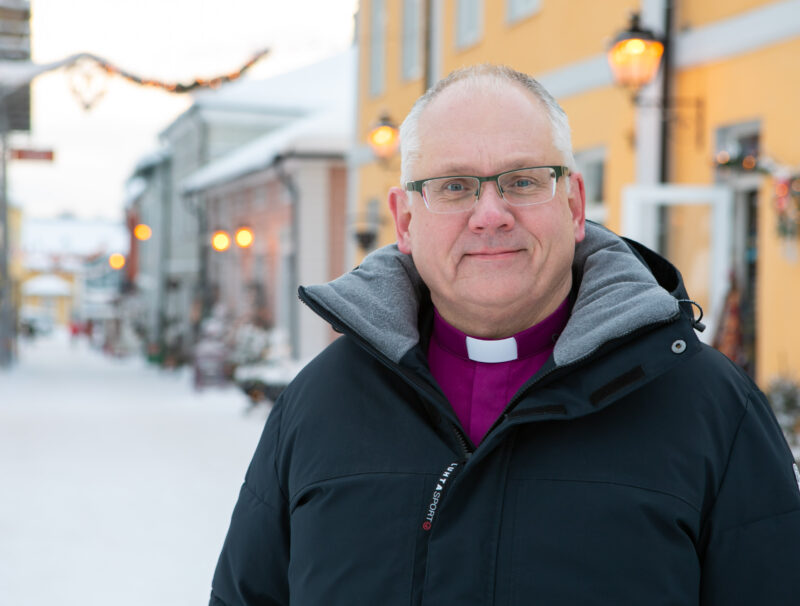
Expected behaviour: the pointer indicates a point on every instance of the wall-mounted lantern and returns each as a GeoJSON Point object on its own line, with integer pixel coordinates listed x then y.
{"type": "Point", "coordinates": [244, 237]}
{"type": "Point", "coordinates": [635, 55]}
{"type": "Point", "coordinates": [142, 232]}
{"type": "Point", "coordinates": [384, 138]}
{"type": "Point", "coordinates": [367, 226]}
{"type": "Point", "coordinates": [116, 261]}
{"type": "Point", "coordinates": [220, 241]}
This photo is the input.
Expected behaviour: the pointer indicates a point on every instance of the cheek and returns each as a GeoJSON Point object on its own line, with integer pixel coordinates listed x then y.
{"type": "Point", "coordinates": [433, 248]}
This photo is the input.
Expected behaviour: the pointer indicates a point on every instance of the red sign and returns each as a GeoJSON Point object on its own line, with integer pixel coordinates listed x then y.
{"type": "Point", "coordinates": [33, 154]}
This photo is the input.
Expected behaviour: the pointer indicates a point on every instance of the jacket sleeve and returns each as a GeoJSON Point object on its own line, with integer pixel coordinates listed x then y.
{"type": "Point", "coordinates": [252, 568]}
{"type": "Point", "coordinates": [752, 553]}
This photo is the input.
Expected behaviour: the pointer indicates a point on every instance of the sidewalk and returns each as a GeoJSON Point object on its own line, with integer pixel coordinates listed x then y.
{"type": "Point", "coordinates": [117, 479]}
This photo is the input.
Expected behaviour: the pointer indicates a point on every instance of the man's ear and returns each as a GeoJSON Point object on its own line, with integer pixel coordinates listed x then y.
{"type": "Point", "coordinates": [577, 205]}
{"type": "Point", "coordinates": [400, 206]}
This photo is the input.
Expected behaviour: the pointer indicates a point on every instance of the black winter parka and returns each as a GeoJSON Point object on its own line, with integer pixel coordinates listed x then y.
{"type": "Point", "coordinates": [638, 466]}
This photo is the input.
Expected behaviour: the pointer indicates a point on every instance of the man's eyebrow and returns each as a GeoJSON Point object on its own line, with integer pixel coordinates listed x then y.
{"type": "Point", "coordinates": [459, 170]}
{"type": "Point", "coordinates": [451, 169]}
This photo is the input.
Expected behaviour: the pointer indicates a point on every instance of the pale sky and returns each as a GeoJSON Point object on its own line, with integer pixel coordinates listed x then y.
{"type": "Point", "coordinates": [171, 40]}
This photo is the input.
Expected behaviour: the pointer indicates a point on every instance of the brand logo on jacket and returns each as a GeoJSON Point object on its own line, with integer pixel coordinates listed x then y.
{"type": "Point", "coordinates": [437, 495]}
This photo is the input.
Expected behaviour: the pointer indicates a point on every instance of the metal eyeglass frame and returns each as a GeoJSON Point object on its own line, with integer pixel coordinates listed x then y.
{"type": "Point", "coordinates": [560, 171]}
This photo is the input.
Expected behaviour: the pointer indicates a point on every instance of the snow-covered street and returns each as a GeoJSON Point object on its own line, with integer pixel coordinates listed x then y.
{"type": "Point", "coordinates": [117, 479]}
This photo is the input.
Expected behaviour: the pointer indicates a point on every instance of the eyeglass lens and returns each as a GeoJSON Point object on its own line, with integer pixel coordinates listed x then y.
{"type": "Point", "coordinates": [520, 188]}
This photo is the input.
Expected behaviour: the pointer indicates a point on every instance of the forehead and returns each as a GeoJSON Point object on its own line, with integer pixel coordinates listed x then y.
{"type": "Point", "coordinates": [483, 127]}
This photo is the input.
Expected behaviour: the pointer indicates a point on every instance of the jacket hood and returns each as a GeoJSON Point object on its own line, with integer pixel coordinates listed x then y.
{"type": "Point", "coordinates": [618, 294]}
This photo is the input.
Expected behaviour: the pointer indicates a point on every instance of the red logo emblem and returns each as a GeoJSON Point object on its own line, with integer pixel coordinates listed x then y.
{"type": "Point", "coordinates": [426, 525]}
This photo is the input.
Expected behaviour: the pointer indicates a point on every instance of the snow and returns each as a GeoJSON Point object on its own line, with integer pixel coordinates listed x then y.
{"type": "Point", "coordinates": [327, 129]}
{"type": "Point", "coordinates": [117, 480]}
{"type": "Point", "coordinates": [71, 236]}
{"type": "Point", "coordinates": [323, 133]}
{"type": "Point", "coordinates": [14, 73]}
{"type": "Point", "coordinates": [47, 285]}
{"type": "Point", "coordinates": [306, 88]}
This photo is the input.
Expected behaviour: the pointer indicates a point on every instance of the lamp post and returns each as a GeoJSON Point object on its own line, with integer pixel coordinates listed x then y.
{"type": "Point", "coordinates": [636, 55]}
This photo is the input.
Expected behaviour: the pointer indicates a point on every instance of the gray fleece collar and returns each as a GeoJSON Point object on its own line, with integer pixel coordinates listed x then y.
{"type": "Point", "coordinates": [380, 298]}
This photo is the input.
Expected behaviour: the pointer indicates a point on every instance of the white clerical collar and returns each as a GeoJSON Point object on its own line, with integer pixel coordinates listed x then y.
{"type": "Point", "coordinates": [492, 352]}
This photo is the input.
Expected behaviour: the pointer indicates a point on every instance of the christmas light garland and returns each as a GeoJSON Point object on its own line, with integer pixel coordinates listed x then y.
{"type": "Point", "coordinates": [786, 187]}
{"type": "Point", "coordinates": [173, 87]}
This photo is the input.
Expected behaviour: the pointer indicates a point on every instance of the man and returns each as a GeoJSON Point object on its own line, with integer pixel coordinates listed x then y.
{"type": "Point", "coordinates": [519, 411]}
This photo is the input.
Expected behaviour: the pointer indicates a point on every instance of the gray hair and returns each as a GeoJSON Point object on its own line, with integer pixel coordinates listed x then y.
{"type": "Point", "coordinates": [482, 74]}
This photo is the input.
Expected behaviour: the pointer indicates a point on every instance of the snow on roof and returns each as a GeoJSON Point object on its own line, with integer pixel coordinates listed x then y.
{"type": "Point", "coordinates": [307, 88]}
{"type": "Point", "coordinates": [327, 130]}
{"type": "Point", "coordinates": [325, 133]}
{"type": "Point", "coordinates": [151, 159]}
{"type": "Point", "coordinates": [70, 236]}
{"type": "Point", "coordinates": [47, 285]}
{"type": "Point", "coordinates": [15, 74]}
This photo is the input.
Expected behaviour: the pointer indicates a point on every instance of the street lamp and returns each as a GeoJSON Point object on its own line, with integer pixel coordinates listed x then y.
{"type": "Point", "coordinates": [116, 261]}
{"type": "Point", "coordinates": [220, 241]}
{"type": "Point", "coordinates": [142, 232]}
{"type": "Point", "coordinates": [635, 55]}
{"type": "Point", "coordinates": [384, 138]}
{"type": "Point", "coordinates": [244, 237]}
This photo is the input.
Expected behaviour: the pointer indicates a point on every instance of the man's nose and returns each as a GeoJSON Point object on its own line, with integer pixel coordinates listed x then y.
{"type": "Point", "coordinates": [491, 211]}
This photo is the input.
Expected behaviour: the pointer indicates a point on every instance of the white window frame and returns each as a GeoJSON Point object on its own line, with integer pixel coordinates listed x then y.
{"type": "Point", "coordinates": [469, 22]}
{"type": "Point", "coordinates": [517, 10]}
{"type": "Point", "coordinates": [377, 48]}
{"type": "Point", "coordinates": [596, 210]}
{"type": "Point", "coordinates": [411, 56]}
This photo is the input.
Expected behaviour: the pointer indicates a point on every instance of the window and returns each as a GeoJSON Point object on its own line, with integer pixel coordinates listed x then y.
{"type": "Point", "coordinates": [592, 165]}
{"type": "Point", "coordinates": [412, 39]}
{"type": "Point", "coordinates": [377, 48]}
{"type": "Point", "coordinates": [516, 10]}
{"type": "Point", "coordinates": [469, 22]}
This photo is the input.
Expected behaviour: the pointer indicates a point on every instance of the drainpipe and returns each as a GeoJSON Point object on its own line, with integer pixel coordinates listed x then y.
{"type": "Point", "coordinates": [288, 182]}
{"type": "Point", "coordinates": [666, 94]}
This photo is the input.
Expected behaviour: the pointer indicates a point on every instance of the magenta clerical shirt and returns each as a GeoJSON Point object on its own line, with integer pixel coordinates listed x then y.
{"type": "Point", "coordinates": [479, 376]}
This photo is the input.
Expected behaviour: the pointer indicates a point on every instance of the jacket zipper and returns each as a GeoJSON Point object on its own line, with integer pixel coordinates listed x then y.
{"type": "Point", "coordinates": [444, 481]}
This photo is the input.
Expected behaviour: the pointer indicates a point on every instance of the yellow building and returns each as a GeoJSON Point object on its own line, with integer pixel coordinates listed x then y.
{"type": "Point", "coordinates": [47, 299]}
{"type": "Point", "coordinates": [15, 267]}
{"type": "Point", "coordinates": [731, 157]}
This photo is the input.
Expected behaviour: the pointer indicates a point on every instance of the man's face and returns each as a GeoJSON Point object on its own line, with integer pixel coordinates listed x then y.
{"type": "Point", "coordinates": [496, 269]}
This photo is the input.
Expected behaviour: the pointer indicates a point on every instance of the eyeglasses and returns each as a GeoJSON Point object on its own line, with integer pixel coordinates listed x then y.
{"type": "Point", "coordinates": [520, 187]}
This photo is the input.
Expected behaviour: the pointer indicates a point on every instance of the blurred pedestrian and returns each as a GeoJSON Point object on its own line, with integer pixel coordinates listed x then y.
{"type": "Point", "coordinates": [74, 331]}
{"type": "Point", "coordinates": [519, 411]}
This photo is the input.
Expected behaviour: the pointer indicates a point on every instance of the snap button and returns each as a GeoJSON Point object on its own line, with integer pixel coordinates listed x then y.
{"type": "Point", "coordinates": [679, 346]}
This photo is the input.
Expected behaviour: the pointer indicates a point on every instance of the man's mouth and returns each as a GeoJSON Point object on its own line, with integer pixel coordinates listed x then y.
{"type": "Point", "coordinates": [495, 255]}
